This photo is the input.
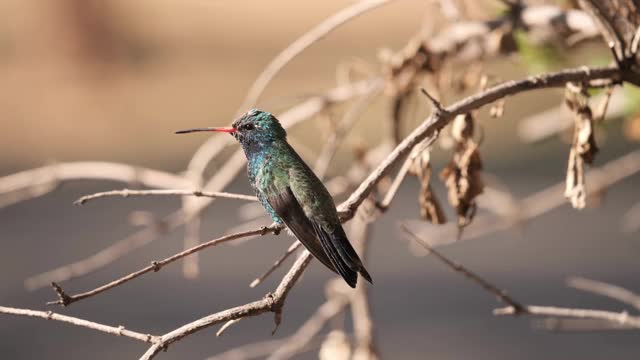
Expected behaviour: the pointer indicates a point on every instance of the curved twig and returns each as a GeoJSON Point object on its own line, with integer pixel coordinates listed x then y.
{"type": "Point", "coordinates": [155, 192]}
{"type": "Point", "coordinates": [50, 315]}
{"type": "Point", "coordinates": [318, 32]}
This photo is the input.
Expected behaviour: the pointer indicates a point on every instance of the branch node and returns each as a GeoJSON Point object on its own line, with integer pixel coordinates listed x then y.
{"type": "Point", "coordinates": [120, 330]}
{"type": "Point", "coordinates": [156, 266]}
{"type": "Point", "coordinates": [63, 298]}
{"type": "Point", "coordinates": [271, 299]}
{"type": "Point", "coordinates": [436, 104]}
{"type": "Point", "coordinates": [49, 315]}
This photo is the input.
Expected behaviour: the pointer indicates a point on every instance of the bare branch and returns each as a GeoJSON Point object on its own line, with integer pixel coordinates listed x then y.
{"type": "Point", "coordinates": [226, 325]}
{"type": "Point", "coordinates": [363, 326]}
{"type": "Point", "coordinates": [436, 121]}
{"type": "Point", "coordinates": [435, 103]}
{"type": "Point", "coordinates": [155, 192]}
{"type": "Point", "coordinates": [500, 294]}
{"type": "Point", "coordinates": [260, 349]}
{"type": "Point", "coordinates": [305, 334]}
{"type": "Point", "coordinates": [318, 32]}
{"type": "Point", "coordinates": [348, 121]}
{"type": "Point", "coordinates": [50, 315]}
{"type": "Point", "coordinates": [621, 318]}
{"type": "Point", "coordinates": [270, 303]}
{"type": "Point", "coordinates": [292, 249]}
{"type": "Point", "coordinates": [107, 255]}
{"type": "Point", "coordinates": [155, 266]}
{"type": "Point", "coordinates": [36, 182]}
{"type": "Point", "coordinates": [605, 289]}
{"type": "Point", "coordinates": [573, 325]}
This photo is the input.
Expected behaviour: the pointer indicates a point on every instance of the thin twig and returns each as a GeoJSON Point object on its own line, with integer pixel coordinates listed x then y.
{"type": "Point", "coordinates": [312, 36]}
{"type": "Point", "coordinates": [363, 325]}
{"type": "Point", "coordinates": [226, 325]}
{"type": "Point", "coordinates": [437, 106]}
{"type": "Point", "coordinates": [172, 192]}
{"type": "Point", "coordinates": [500, 294]}
{"type": "Point", "coordinates": [107, 255]}
{"type": "Point", "coordinates": [572, 325]}
{"type": "Point", "coordinates": [337, 137]}
{"type": "Point", "coordinates": [36, 182]}
{"type": "Point", "coordinates": [605, 289]}
{"type": "Point", "coordinates": [50, 315]}
{"type": "Point", "coordinates": [155, 266]}
{"type": "Point", "coordinates": [305, 334]}
{"type": "Point", "coordinates": [292, 249]}
{"type": "Point", "coordinates": [621, 318]}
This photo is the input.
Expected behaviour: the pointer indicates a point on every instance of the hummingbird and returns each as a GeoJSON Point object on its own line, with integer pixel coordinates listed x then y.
{"type": "Point", "coordinates": [291, 193]}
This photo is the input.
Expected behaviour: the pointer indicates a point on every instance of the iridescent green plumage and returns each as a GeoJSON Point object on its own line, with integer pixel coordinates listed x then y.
{"type": "Point", "coordinates": [293, 195]}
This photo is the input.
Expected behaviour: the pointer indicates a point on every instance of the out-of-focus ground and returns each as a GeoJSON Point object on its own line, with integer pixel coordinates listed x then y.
{"type": "Point", "coordinates": [111, 80]}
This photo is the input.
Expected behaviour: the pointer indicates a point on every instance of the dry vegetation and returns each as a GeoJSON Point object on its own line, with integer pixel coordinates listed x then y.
{"type": "Point", "coordinates": [429, 66]}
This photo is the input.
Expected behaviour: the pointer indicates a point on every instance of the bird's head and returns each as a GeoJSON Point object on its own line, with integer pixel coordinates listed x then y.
{"type": "Point", "coordinates": [253, 127]}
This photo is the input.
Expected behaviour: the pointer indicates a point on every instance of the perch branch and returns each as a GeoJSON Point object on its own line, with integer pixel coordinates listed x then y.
{"type": "Point", "coordinates": [270, 303]}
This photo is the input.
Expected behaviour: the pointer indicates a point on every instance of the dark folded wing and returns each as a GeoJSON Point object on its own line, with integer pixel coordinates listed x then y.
{"type": "Point", "coordinates": [311, 235]}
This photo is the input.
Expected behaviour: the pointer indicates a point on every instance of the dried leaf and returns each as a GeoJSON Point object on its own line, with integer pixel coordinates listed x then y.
{"type": "Point", "coordinates": [335, 347]}
{"type": "Point", "coordinates": [575, 189]}
{"type": "Point", "coordinates": [583, 148]}
{"type": "Point", "coordinates": [462, 128]}
{"type": "Point", "coordinates": [462, 176]}
{"type": "Point", "coordinates": [430, 209]}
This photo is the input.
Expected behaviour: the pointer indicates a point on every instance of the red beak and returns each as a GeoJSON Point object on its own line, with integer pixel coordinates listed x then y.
{"type": "Point", "coordinates": [216, 129]}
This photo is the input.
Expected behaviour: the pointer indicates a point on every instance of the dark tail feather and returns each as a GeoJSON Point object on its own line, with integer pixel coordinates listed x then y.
{"type": "Point", "coordinates": [339, 265]}
{"type": "Point", "coordinates": [365, 275]}
{"type": "Point", "coordinates": [348, 254]}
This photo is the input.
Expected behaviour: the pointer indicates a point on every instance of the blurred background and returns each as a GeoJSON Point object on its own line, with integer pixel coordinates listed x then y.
{"type": "Point", "coordinates": [111, 81]}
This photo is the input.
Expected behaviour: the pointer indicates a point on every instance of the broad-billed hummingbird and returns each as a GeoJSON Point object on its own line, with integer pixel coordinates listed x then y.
{"type": "Point", "coordinates": [291, 193]}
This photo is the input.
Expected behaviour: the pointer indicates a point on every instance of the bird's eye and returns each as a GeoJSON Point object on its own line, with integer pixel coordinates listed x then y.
{"type": "Point", "coordinates": [248, 126]}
